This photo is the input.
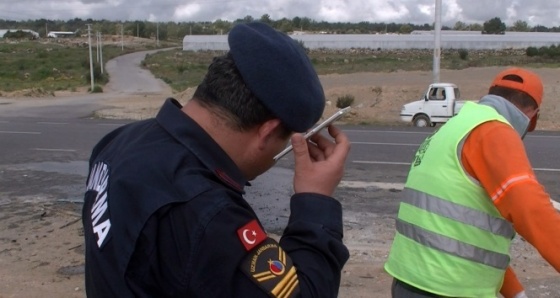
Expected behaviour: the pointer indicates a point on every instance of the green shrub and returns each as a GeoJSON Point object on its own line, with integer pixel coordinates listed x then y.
{"type": "Point", "coordinates": [98, 77]}
{"type": "Point", "coordinates": [181, 68]}
{"type": "Point", "coordinates": [42, 73]}
{"type": "Point", "coordinates": [553, 51]}
{"type": "Point", "coordinates": [302, 44]}
{"type": "Point", "coordinates": [42, 55]}
{"type": "Point", "coordinates": [543, 51]}
{"type": "Point", "coordinates": [463, 54]}
{"type": "Point", "coordinates": [344, 101]}
{"type": "Point", "coordinates": [532, 52]}
{"type": "Point", "coordinates": [96, 89]}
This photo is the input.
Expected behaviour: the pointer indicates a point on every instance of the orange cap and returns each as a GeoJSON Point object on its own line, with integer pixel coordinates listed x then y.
{"type": "Point", "coordinates": [530, 83]}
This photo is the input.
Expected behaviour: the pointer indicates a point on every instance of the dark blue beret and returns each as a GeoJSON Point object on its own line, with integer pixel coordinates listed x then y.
{"type": "Point", "coordinates": [277, 70]}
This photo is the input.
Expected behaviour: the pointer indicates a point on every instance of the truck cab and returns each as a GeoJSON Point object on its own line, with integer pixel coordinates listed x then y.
{"type": "Point", "coordinates": [439, 104]}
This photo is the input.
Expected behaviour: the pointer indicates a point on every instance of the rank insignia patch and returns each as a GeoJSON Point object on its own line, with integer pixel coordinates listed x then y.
{"type": "Point", "coordinates": [272, 269]}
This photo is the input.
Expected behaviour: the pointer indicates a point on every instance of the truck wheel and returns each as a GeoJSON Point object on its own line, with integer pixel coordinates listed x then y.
{"type": "Point", "coordinates": [421, 121]}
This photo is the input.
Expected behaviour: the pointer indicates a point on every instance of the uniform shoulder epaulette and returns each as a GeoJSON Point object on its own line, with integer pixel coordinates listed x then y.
{"type": "Point", "coordinates": [266, 263]}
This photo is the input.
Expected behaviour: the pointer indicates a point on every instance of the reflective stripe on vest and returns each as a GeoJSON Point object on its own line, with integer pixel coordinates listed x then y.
{"type": "Point", "coordinates": [462, 214]}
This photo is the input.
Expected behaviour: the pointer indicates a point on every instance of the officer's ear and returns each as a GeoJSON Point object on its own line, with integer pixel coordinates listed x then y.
{"type": "Point", "coordinates": [270, 130]}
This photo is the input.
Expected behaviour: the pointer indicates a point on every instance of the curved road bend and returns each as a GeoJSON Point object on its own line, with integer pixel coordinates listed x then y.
{"type": "Point", "coordinates": [126, 78]}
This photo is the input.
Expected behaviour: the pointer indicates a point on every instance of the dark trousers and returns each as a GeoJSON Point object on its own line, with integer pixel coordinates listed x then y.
{"type": "Point", "coordinates": [400, 289]}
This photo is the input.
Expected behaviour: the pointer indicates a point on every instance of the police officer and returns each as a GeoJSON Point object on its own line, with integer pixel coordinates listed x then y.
{"type": "Point", "coordinates": [164, 214]}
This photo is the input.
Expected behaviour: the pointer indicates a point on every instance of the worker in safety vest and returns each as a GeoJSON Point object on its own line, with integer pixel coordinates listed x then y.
{"type": "Point", "coordinates": [469, 189]}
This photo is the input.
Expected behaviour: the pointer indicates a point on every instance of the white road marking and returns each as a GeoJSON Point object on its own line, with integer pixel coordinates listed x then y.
{"type": "Point", "coordinates": [546, 170]}
{"type": "Point", "coordinates": [408, 164]}
{"type": "Point", "coordinates": [382, 162]}
{"type": "Point", "coordinates": [365, 184]}
{"type": "Point", "coordinates": [387, 144]}
{"type": "Point", "coordinates": [21, 132]}
{"type": "Point", "coordinates": [428, 133]}
{"type": "Point", "coordinates": [110, 124]}
{"type": "Point", "coordinates": [389, 131]}
{"type": "Point", "coordinates": [56, 150]}
{"type": "Point", "coordinates": [53, 123]}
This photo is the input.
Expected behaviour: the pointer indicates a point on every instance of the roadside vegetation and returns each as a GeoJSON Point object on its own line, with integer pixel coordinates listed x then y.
{"type": "Point", "coordinates": [54, 66]}
{"type": "Point", "coordinates": [183, 69]}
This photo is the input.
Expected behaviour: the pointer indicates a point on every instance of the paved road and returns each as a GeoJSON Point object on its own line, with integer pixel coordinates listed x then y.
{"type": "Point", "coordinates": [127, 77]}
{"type": "Point", "coordinates": [45, 147]}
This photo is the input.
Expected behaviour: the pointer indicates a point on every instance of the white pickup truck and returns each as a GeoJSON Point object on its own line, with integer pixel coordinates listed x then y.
{"type": "Point", "coordinates": [439, 104]}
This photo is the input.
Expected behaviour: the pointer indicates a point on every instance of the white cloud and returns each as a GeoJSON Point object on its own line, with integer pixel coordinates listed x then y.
{"type": "Point", "coordinates": [535, 12]}
{"type": "Point", "coordinates": [186, 11]}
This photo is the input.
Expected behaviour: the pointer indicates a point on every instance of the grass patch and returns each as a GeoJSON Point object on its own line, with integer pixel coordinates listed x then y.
{"type": "Point", "coordinates": [180, 69]}
{"type": "Point", "coordinates": [52, 66]}
{"type": "Point", "coordinates": [184, 69]}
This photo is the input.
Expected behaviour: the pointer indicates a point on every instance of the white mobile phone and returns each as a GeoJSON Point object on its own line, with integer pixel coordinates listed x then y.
{"type": "Point", "coordinates": [315, 130]}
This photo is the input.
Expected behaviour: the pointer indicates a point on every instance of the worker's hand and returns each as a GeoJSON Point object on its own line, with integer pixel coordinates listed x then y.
{"type": "Point", "coordinates": [319, 162]}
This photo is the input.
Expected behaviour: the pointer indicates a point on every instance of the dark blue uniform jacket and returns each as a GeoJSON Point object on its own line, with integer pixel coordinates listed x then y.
{"type": "Point", "coordinates": [163, 217]}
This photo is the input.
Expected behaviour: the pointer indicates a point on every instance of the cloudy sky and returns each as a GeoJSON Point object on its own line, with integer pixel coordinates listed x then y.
{"type": "Point", "coordinates": [534, 12]}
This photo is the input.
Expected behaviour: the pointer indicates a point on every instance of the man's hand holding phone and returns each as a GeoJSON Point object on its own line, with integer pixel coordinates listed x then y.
{"type": "Point", "coordinates": [319, 163]}
{"type": "Point", "coordinates": [315, 130]}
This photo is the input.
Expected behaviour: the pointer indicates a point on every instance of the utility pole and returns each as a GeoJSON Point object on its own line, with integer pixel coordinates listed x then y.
{"type": "Point", "coordinates": [97, 45]}
{"type": "Point", "coordinates": [101, 51]}
{"type": "Point", "coordinates": [90, 56]}
{"type": "Point", "coordinates": [157, 34]}
{"type": "Point", "coordinates": [437, 40]}
{"type": "Point", "coordinates": [122, 42]}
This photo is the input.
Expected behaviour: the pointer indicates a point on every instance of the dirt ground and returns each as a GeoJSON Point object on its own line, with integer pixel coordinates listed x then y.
{"type": "Point", "coordinates": [378, 96]}
{"type": "Point", "coordinates": [41, 252]}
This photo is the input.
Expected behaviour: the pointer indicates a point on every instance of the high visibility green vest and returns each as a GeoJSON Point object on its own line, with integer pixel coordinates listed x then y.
{"type": "Point", "coordinates": [450, 240]}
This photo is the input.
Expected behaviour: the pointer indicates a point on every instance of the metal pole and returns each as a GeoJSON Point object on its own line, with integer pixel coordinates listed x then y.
{"type": "Point", "coordinates": [437, 41]}
{"type": "Point", "coordinates": [122, 42]}
{"type": "Point", "coordinates": [157, 34]}
{"type": "Point", "coordinates": [97, 45]}
{"type": "Point", "coordinates": [101, 50]}
{"type": "Point", "coordinates": [90, 57]}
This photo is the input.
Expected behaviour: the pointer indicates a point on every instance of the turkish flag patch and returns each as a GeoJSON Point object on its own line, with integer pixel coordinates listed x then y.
{"type": "Point", "coordinates": [251, 234]}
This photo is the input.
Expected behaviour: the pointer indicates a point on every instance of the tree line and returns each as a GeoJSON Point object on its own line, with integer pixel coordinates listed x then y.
{"type": "Point", "coordinates": [175, 31]}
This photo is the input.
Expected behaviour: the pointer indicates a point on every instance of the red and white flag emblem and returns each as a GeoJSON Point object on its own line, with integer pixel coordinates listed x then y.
{"type": "Point", "coordinates": [251, 234]}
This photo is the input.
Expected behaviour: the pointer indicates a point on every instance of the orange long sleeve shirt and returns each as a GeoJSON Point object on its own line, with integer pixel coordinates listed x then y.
{"type": "Point", "coordinates": [494, 155]}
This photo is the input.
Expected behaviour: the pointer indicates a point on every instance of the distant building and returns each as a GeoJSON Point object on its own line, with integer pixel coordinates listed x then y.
{"type": "Point", "coordinates": [4, 31]}
{"type": "Point", "coordinates": [417, 40]}
{"type": "Point", "coordinates": [58, 34]}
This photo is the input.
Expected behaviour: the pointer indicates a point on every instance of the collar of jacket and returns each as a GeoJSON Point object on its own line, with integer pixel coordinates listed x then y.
{"type": "Point", "coordinates": [513, 115]}
{"type": "Point", "coordinates": [193, 137]}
